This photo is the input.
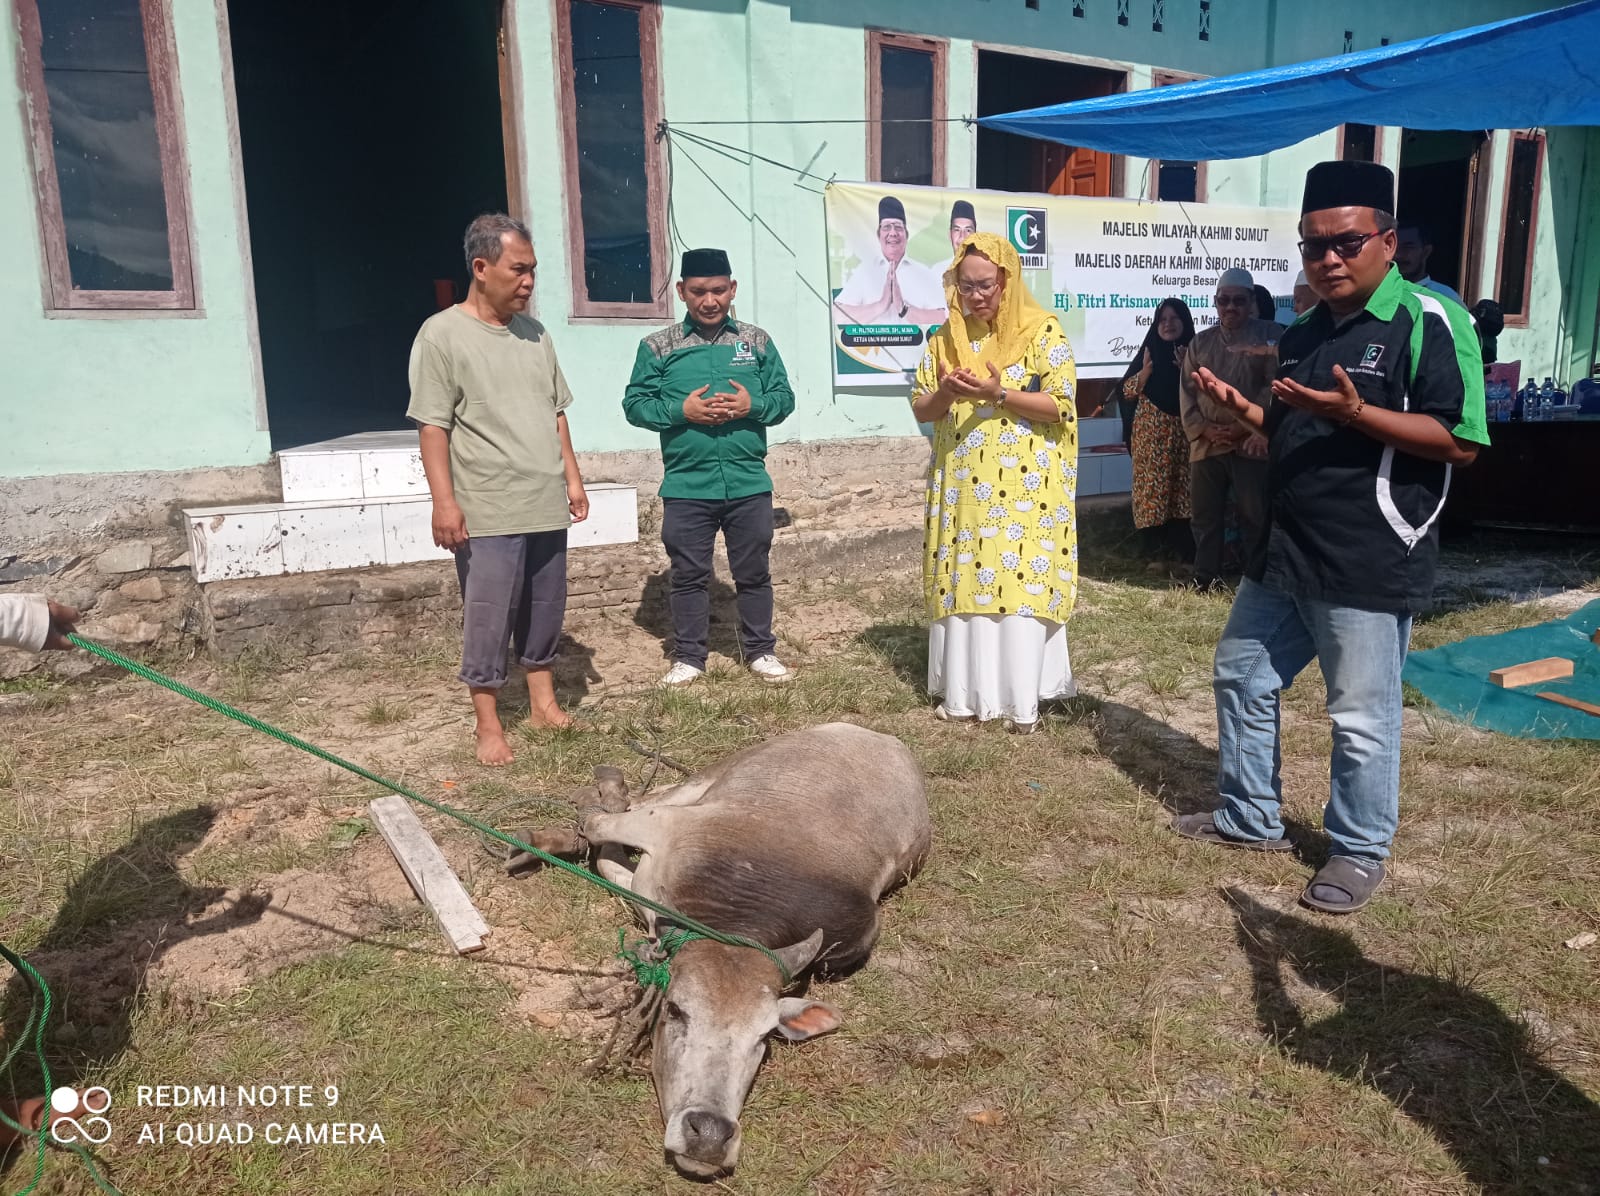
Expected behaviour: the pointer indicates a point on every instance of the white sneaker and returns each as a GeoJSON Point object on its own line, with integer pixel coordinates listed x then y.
{"type": "Point", "coordinates": [770, 668]}
{"type": "Point", "coordinates": [682, 673]}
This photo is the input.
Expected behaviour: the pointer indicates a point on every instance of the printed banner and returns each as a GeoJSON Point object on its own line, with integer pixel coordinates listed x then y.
{"type": "Point", "coordinates": [1103, 265]}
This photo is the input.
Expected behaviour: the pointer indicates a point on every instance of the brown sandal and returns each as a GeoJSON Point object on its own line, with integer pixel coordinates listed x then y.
{"type": "Point", "coordinates": [1203, 828]}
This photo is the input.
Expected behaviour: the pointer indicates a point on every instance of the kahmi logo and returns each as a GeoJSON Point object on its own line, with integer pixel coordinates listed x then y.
{"type": "Point", "coordinates": [742, 354]}
{"type": "Point", "coordinates": [1026, 228]}
{"type": "Point", "coordinates": [1372, 356]}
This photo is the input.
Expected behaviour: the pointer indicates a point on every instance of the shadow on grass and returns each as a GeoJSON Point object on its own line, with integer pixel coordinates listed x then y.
{"type": "Point", "coordinates": [654, 614]}
{"type": "Point", "coordinates": [904, 646]}
{"type": "Point", "coordinates": [1174, 768]}
{"type": "Point", "coordinates": [119, 916]}
{"type": "Point", "coordinates": [1447, 1057]}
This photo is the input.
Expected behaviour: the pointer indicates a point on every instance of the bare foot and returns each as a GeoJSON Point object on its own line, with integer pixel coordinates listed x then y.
{"type": "Point", "coordinates": [551, 716]}
{"type": "Point", "coordinates": [543, 709]}
{"type": "Point", "coordinates": [493, 750]}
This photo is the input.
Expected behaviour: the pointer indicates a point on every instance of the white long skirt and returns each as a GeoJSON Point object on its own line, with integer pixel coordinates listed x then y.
{"type": "Point", "coordinates": [998, 666]}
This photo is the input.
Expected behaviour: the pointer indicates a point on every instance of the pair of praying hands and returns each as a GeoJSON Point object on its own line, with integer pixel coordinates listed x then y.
{"type": "Point", "coordinates": [1339, 405]}
{"type": "Point", "coordinates": [892, 302]}
{"type": "Point", "coordinates": [964, 385]}
{"type": "Point", "coordinates": [717, 409]}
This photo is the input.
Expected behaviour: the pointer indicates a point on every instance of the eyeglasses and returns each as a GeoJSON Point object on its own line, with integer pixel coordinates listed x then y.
{"type": "Point", "coordinates": [1346, 245]}
{"type": "Point", "coordinates": [971, 289]}
{"type": "Point", "coordinates": [1233, 300]}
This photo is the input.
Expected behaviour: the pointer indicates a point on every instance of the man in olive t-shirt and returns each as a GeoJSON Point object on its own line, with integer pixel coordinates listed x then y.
{"type": "Point", "coordinates": [489, 400]}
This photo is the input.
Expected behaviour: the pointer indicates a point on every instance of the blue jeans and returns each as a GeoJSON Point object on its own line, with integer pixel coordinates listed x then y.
{"type": "Point", "coordinates": [1269, 638]}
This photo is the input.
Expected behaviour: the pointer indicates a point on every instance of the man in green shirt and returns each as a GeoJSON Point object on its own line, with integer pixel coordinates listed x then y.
{"type": "Point", "coordinates": [489, 400]}
{"type": "Point", "coordinates": [712, 386]}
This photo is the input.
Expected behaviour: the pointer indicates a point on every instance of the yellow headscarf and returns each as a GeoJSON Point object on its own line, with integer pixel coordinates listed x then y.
{"type": "Point", "coordinates": [1016, 324]}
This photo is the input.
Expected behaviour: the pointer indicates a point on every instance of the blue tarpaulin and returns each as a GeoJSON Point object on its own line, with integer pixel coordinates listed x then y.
{"type": "Point", "coordinates": [1526, 72]}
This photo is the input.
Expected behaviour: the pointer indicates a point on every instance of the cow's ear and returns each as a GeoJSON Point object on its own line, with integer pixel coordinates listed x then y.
{"type": "Point", "coordinates": [799, 1019]}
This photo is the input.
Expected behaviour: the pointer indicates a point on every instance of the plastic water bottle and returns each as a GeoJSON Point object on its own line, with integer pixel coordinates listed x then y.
{"type": "Point", "coordinates": [1499, 401]}
{"type": "Point", "coordinates": [1547, 398]}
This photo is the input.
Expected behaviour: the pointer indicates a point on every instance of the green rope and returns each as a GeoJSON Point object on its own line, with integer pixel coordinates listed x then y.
{"type": "Point", "coordinates": [36, 986]}
{"type": "Point", "coordinates": [652, 962]}
{"type": "Point", "coordinates": [37, 989]}
{"type": "Point", "coordinates": [616, 890]}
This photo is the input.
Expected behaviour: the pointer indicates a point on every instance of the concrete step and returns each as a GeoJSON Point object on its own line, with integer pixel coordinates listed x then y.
{"type": "Point", "coordinates": [366, 465]}
{"type": "Point", "coordinates": [272, 539]}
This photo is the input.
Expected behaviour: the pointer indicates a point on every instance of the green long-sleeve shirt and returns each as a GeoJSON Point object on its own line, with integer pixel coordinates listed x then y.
{"type": "Point", "coordinates": [719, 462]}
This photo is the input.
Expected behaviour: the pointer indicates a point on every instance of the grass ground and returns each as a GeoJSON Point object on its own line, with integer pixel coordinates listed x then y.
{"type": "Point", "coordinates": [1068, 999]}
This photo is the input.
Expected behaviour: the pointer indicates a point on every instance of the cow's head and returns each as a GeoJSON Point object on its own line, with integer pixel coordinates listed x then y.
{"type": "Point", "coordinates": [721, 1006]}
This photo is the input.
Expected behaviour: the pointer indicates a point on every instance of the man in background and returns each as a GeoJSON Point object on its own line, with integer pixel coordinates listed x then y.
{"type": "Point", "coordinates": [1413, 248]}
{"type": "Point", "coordinates": [1304, 298]}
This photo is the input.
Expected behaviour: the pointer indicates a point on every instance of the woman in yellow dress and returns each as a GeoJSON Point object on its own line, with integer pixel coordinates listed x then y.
{"type": "Point", "coordinates": [1000, 555]}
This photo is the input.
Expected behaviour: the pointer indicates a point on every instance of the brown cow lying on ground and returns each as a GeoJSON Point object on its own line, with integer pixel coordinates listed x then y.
{"type": "Point", "coordinates": [789, 844]}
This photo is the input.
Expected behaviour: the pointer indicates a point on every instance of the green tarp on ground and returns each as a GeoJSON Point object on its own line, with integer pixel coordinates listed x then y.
{"type": "Point", "coordinates": [1456, 678]}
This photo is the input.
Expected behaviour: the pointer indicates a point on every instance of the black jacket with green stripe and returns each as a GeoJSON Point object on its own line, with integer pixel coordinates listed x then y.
{"type": "Point", "coordinates": [1355, 522]}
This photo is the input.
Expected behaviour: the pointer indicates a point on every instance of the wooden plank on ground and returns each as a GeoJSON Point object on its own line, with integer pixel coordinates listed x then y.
{"type": "Point", "coordinates": [429, 873]}
{"type": "Point", "coordinates": [1586, 707]}
{"type": "Point", "coordinates": [1531, 672]}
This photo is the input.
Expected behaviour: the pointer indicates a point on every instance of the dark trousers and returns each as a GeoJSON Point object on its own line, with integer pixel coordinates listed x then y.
{"type": "Point", "coordinates": [512, 588]}
{"type": "Point", "coordinates": [1210, 480]}
{"type": "Point", "coordinates": [689, 529]}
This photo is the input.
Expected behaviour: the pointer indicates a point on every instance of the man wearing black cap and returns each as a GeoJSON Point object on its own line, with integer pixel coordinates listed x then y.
{"type": "Point", "coordinates": [712, 386]}
{"type": "Point", "coordinates": [1379, 395]}
{"type": "Point", "coordinates": [963, 223]}
{"type": "Point", "coordinates": [893, 289]}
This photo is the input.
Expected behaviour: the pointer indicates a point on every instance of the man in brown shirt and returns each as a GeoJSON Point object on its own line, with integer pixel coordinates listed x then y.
{"type": "Point", "coordinates": [1223, 457]}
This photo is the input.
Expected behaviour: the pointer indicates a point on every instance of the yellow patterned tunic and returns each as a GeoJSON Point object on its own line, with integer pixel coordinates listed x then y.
{"type": "Point", "coordinates": [1002, 532]}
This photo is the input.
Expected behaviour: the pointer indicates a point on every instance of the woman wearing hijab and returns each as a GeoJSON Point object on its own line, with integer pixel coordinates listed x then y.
{"type": "Point", "coordinates": [1000, 555]}
{"type": "Point", "coordinates": [1160, 446]}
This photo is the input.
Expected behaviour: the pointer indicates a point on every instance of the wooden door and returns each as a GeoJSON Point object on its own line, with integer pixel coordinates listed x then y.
{"type": "Point", "coordinates": [1072, 169]}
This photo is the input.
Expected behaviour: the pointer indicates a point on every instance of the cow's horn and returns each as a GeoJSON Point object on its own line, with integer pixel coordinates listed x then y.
{"type": "Point", "coordinates": [798, 956]}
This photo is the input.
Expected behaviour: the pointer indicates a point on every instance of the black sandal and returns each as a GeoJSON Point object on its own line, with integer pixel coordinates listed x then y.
{"type": "Point", "coordinates": [1203, 827]}
{"type": "Point", "coordinates": [1343, 885]}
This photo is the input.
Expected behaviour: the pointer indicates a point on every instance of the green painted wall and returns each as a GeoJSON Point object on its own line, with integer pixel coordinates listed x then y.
{"type": "Point", "coordinates": [806, 60]}
{"type": "Point", "coordinates": [161, 393]}
{"type": "Point", "coordinates": [111, 394]}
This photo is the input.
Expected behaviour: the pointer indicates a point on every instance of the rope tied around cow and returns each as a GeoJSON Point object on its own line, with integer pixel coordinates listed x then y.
{"type": "Point", "coordinates": [651, 961]}
{"type": "Point", "coordinates": [628, 895]}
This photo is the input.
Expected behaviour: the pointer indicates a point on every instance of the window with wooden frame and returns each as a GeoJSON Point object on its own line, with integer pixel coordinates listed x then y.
{"type": "Point", "coordinates": [1170, 179]}
{"type": "Point", "coordinates": [905, 109]}
{"type": "Point", "coordinates": [1514, 274]}
{"type": "Point", "coordinates": [1359, 143]}
{"type": "Point", "coordinates": [609, 60]}
{"type": "Point", "coordinates": [101, 88]}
